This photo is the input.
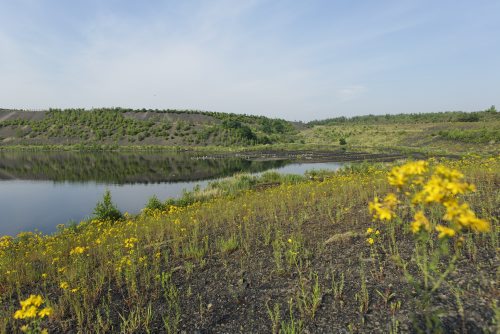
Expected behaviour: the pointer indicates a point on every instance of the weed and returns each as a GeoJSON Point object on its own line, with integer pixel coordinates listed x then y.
{"type": "Point", "coordinates": [228, 245]}
{"type": "Point", "coordinates": [338, 288]}
{"type": "Point", "coordinates": [275, 316]}
{"type": "Point", "coordinates": [292, 325]}
{"type": "Point", "coordinates": [309, 298]}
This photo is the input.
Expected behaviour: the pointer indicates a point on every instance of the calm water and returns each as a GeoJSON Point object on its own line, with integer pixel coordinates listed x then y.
{"type": "Point", "coordinates": [43, 189]}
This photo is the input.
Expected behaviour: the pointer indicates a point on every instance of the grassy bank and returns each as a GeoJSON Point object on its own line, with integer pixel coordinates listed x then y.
{"type": "Point", "coordinates": [271, 255]}
{"type": "Point", "coordinates": [437, 137]}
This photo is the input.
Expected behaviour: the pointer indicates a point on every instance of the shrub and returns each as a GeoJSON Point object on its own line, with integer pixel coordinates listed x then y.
{"type": "Point", "coordinates": [106, 210]}
{"type": "Point", "coordinates": [154, 203]}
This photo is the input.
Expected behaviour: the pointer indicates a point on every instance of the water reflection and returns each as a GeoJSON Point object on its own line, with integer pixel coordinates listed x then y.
{"type": "Point", "coordinates": [39, 190]}
{"type": "Point", "coordinates": [123, 168]}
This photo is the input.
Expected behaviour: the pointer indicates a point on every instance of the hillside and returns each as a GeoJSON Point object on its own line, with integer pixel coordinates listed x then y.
{"type": "Point", "coordinates": [448, 132]}
{"type": "Point", "coordinates": [445, 132]}
{"type": "Point", "coordinates": [140, 127]}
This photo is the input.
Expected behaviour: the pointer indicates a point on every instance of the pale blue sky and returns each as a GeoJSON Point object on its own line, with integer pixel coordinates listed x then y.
{"type": "Point", "coordinates": [298, 60]}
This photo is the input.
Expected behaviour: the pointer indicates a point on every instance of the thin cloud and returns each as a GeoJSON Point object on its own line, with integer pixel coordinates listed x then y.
{"type": "Point", "coordinates": [351, 92]}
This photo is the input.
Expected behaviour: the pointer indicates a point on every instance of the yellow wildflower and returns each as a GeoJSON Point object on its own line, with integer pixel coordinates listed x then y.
{"type": "Point", "coordinates": [454, 210]}
{"type": "Point", "coordinates": [19, 314]}
{"type": "Point", "coordinates": [36, 300]}
{"type": "Point", "coordinates": [464, 216]}
{"type": "Point", "coordinates": [77, 250]}
{"type": "Point", "coordinates": [396, 179]}
{"type": "Point", "coordinates": [369, 230]}
{"type": "Point", "coordinates": [419, 222]}
{"type": "Point", "coordinates": [448, 173]}
{"type": "Point", "coordinates": [26, 311]}
{"type": "Point", "coordinates": [480, 225]}
{"type": "Point", "coordinates": [400, 175]}
{"type": "Point", "coordinates": [433, 190]}
{"type": "Point", "coordinates": [5, 242]}
{"type": "Point", "coordinates": [445, 231]}
{"type": "Point", "coordinates": [130, 242]}
{"type": "Point", "coordinates": [30, 312]}
{"type": "Point", "coordinates": [45, 312]}
{"type": "Point", "coordinates": [391, 200]}
{"type": "Point", "coordinates": [64, 285]}
{"type": "Point", "coordinates": [370, 241]}
{"type": "Point", "coordinates": [469, 219]}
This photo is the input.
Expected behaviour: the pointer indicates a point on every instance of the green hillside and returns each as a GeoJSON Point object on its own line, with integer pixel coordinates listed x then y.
{"type": "Point", "coordinates": [446, 132]}
{"type": "Point", "coordinates": [140, 127]}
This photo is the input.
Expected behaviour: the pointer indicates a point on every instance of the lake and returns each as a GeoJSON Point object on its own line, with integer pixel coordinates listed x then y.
{"type": "Point", "coordinates": [39, 190]}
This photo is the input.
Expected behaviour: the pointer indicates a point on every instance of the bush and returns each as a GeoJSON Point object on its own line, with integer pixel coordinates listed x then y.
{"type": "Point", "coordinates": [491, 109]}
{"type": "Point", "coordinates": [469, 118]}
{"type": "Point", "coordinates": [106, 210]}
{"type": "Point", "coordinates": [154, 203]}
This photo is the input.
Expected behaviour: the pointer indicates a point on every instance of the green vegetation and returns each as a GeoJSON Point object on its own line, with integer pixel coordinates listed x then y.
{"type": "Point", "coordinates": [142, 127]}
{"type": "Point", "coordinates": [106, 210]}
{"type": "Point", "coordinates": [275, 254]}
{"type": "Point", "coordinates": [427, 137]}
{"type": "Point", "coordinates": [472, 136]}
{"type": "Point", "coordinates": [435, 117]}
{"type": "Point", "coordinates": [451, 132]}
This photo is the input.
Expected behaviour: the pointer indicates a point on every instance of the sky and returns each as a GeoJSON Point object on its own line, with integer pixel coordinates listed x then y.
{"type": "Point", "coordinates": [297, 60]}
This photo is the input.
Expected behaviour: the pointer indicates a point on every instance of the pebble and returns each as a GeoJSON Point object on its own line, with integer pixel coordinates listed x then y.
{"type": "Point", "coordinates": [443, 297]}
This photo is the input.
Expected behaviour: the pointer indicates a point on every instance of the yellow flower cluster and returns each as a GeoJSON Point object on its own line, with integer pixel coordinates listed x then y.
{"type": "Point", "coordinates": [157, 214]}
{"type": "Point", "coordinates": [439, 185]}
{"type": "Point", "coordinates": [420, 221]}
{"type": "Point", "coordinates": [30, 308]}
{"type": "Point", "coordinates": [65, 286]}
{"type": "Point", "coordinates": [399, 176]}
{"type": "Point", "coordinates": [174, 209]}
{"type": "Point", "coordinates": [445, 231]}
{"type": "Point", "coordinates": [372, 234]}
{"type": "Point", "coordinates": [124, 262]}
{"type": "Point", "coordinates": [77, 250]}
{"type": "Point", "coordinates": [384, 210]}
{"type": "Point", "coordinates": [462, 216]}
{"type": "Point", "coordinates": [130, 242]}
{"type": "Point", "coordinates": [443, 186]}
{"type": "Point", "coordinates": [5, 242]}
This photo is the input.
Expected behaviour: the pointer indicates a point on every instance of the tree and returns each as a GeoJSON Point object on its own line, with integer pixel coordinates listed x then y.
{"type": "Point", "coordinates": [492, 109]}
{"type": "Point", "coordinates": [106, 210]}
